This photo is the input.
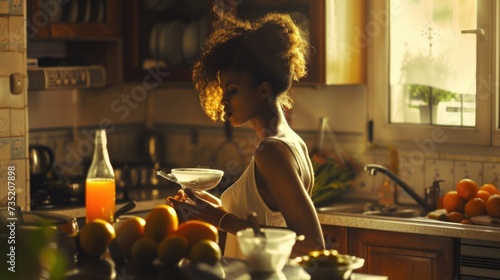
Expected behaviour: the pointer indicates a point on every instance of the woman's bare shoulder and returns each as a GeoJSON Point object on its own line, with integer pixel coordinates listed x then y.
{"type": "Point", "coordinates": [272, 150]}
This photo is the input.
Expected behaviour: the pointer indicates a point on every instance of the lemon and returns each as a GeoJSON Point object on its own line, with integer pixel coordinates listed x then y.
{"type": "Point", "coordinates": [172, 249]}
{"type": "Point", "coordinates": [144, 251]}
{"type": "Point", "coordinates": [95, 237]}
{"type": "Point", "coordinates": [205, 251]}
{"type": "Point", "coordinates": [128, 232]}
{"type": "Point", "coordinates": [160, 222]}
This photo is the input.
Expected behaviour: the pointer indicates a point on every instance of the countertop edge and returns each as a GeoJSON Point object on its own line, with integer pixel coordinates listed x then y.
{"type": "Point", "coordinates": [412, 225]}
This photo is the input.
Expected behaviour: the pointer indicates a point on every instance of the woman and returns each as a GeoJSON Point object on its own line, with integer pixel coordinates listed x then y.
{"type": "Point", "coordinates": [244, 75]}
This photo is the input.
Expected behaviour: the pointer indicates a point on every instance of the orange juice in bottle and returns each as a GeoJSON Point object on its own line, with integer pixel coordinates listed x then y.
{"type": "Point", "coordinates": [104, 206]}
{"type": "Point", "coordinates": [100, 187]}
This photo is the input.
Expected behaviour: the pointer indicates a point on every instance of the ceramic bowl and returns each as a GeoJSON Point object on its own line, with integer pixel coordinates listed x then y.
{"type": "Point", "coordinates": [335, 271]}
{"type": "Point", "coordinates": [269, 254]}
{"type": "Point", "coordinates": [200, 179]}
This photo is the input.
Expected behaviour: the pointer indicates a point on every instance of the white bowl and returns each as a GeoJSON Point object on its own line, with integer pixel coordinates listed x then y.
{"type": "Point", "coordinates": [200, 179]}
{"type": "Point", "coordinates": [270, 256]}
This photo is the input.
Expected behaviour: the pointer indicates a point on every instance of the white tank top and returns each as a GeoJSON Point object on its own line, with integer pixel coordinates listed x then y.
{"type": "Point", "coordinates": [243, 196]}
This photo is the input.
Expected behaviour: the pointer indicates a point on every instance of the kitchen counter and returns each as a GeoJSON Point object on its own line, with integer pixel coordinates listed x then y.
{"type": "Point", "coordinates": [79, 212]}
{"type": "Point", "coordinates": [417, 225]}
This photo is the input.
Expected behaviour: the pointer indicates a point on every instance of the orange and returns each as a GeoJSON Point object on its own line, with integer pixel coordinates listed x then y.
{"type": "Point", "coordinates": [452, 202]}
{"type": "Point", "coordinates": [160, 222]}
{"type": "Point", "coordinates": [172, 249]}
{"type": "Point", "coordinates": [482, 194]}
{"type": "Point", "coordinates": [440, 204]}
{"type": "Point", "coordinates": [467, 188]}
{"type": "Point", "coordinates": [129, 231]}
{"type": "Point", "coordinates": [144, 251]}
{"type": "Point", "coordinates": [196, 230]}
{"type": "Point", "coordinates": [205, 251]}
{"type": "Point", "coordinates": [492, 189]}
{"type": "Point", "coordinates": [475, 207]}
{"type": "Point", "coordinates": [455, 217]}
{"type": "Point", "coordinates": [493, 206]}
{"type": "Point", "coordinates": [95, 237]}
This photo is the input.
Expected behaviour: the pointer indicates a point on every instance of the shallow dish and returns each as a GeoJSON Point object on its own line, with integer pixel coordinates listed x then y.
{"type": "Point", "coordinates": [335, 272]}
{"type": "Point", "coordinates": [200, 179]}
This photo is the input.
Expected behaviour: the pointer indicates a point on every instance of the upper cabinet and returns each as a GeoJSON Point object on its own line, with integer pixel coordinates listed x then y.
{"type": "Point", "coordinates": [74, 19]}
{"type": "Point", "coordinates": [89, 30]}
{"type": "Point", "coordinates": [165, 36]}
{"type": "Point", "coordinates": [138, 39]}
{"type": "Point", "coordinates": [162, 38]}
{"type": "Point", "coordinates": [335, 28]}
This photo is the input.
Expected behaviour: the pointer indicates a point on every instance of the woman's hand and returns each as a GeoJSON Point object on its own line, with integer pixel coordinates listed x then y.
{"type": "Point", "coordinates": [199, 205]}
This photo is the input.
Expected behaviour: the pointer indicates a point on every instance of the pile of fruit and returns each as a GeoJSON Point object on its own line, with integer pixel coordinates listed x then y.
{"type": "Point", "coordinates": [157, 237]}
{"type": "Point", "coordinates": [469, 200]}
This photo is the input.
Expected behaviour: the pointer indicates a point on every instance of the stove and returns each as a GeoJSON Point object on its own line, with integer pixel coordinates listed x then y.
{"type": "Point", "coordinates": [67, 193]}
{"type": "Point", "coordinates": [70, 193]}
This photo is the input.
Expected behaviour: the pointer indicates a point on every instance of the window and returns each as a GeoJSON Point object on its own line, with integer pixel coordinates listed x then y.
{"type": "Point", "coordinates": [433, 70]}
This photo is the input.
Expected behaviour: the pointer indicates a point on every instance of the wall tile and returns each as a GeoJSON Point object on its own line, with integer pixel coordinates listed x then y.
{"type": "Point", "coordinates": [4, 123]}
{"type": "Point", "coordinates": [12, 62]}
{"type": "Point", "coordinates": [16, 7]}
{"type": "Point", "coordinates": [4, 34]}
{"type": "Point", "coordinates": [19, 180]}
{"type": "Point", "coordinates": [17, 122]}
{"type": "Point", "coordinates": [467, 169]}
{"type": "Point", "coordinates": [4, 7]}
{"type": "Point", "coordinates": [491, 173]}
{"type": "Point", "coordinates": [440, 170]}
{"type": "Point", "coordinates": [16, 33]}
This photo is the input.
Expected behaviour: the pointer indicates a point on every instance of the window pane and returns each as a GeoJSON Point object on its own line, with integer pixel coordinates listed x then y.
{"type": "Point", "coordinates": [432, 64]}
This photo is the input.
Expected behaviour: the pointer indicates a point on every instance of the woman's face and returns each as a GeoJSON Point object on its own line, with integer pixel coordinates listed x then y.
{"type": "Point", "coordinates": [241, 100]}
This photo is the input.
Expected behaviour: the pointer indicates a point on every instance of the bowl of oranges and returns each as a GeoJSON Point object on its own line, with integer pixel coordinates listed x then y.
{"type": "Point", "coordinates": [469, 202]}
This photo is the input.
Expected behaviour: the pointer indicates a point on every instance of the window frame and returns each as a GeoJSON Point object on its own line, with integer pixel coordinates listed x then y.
{"type": "Point", "coordinates": [485, 133]}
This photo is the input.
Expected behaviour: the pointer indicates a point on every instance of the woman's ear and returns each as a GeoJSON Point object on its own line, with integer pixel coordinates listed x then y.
{"type": "Point", "coordinates": [265, 90]}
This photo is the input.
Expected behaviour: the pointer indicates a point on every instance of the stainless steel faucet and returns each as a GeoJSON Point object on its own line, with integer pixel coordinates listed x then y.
{"type": "Point", "coordinates": [374, 168]}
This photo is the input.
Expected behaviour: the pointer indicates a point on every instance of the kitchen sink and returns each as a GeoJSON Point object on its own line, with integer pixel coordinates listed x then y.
{"type": "Point", "coordinates": [371, 209]}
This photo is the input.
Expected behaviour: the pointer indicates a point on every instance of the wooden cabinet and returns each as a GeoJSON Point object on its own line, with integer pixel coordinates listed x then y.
{"type": "Point", "coordinates": [89, 29]}
{"type": "Point", "coordinates": [146, 37]}
{"type": "Point", "coordinates": [335, 238]}
{"type": "Point", "coordinates": [335, 28]}
{"type": "Point", "coordinates": [404, 255]}
{"type": "Point", "coordinates": [337, 36]}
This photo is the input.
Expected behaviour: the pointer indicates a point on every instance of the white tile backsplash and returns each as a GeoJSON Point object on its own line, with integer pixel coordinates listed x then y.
{"type": "Point", "coordinates": [4, 123]}
{"type": "Point", "coordinates": [4, 34]}
{"type": "Point", "coordinates": [16, 33]}
{"type": "Point", "coordinates": [17, 122]}
{"type": "Point", "coordinates": [470, 170]}
{"type": "Point", "coordinates": [491, 173]}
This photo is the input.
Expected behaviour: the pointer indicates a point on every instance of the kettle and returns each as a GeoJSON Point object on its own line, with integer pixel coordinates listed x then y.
{"type": "Point", "coordinates": [41, 159]}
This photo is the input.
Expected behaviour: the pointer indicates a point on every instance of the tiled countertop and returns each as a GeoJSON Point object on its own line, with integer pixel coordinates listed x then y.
{"type": "Point", "coordinates": [418, 225]}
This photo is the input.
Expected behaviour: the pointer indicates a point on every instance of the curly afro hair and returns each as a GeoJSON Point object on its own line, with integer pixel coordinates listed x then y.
{"type": "Point", "coordinates": [270, 49]}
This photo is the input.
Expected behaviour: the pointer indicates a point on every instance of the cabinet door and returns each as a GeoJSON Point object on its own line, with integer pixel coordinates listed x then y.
{"type": "Point", "coordinates": [403, 255]}
{"type": "Point", "coordinates": [152, 34]}
{"type": "Point", "coordinates": [335, 238]}
{"type": "Point", "coordinates": [74, 19]}
{"type": "Point", "coordinates": [336, 36]}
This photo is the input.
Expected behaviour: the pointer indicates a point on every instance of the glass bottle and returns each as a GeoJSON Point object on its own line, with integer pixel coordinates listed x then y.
{"type": "Point", "coordinates": [100, 187]}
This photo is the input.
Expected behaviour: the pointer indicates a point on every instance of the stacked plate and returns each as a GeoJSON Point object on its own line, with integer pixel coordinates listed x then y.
{"type": "Point", "coordinates": [175, 42]}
